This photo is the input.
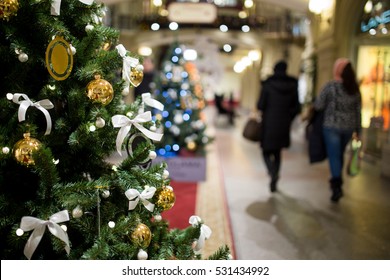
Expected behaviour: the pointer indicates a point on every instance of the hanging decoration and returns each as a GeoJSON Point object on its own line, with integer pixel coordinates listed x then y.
{"type": "Point", "coordinates": [23, 57]}
{"type": "Point", "coordinates": [25, 103]}
{"type": "Point", "coordinates": [24, 148]}
{"type": "Point", "coordinates": [128, 62]}
{"type": "Point", "coordinates": [100, 91]}
{"type": "Point", "coordinates": [136, 75]}
{"type": "Point", "coordinates": [39, 226]}
{"type": "Point", "coordinates": [8, 9]}
{"type": "Point", "coordinates": [141, 235]}
{"type": "Point", "coordinates": [166, 198]}
{"type": "Point", "coordinates": [56, 6]}
{"type": "Point", "coordinates": [135, 196]}
{"type": "Point", "coordinates": [59, 58]}
{"type": "Point", "coordinates": [133, 141]}
{"type": "Point", "coordinates": [205, 232]}
{"type": "Point", "coordinates": [151, 102]}
{"type": "Point", "coordinates": [125, 125]}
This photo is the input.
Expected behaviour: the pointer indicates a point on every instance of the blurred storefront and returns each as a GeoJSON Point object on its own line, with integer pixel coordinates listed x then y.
{"type": "Point", "coordinates": [373, 71]}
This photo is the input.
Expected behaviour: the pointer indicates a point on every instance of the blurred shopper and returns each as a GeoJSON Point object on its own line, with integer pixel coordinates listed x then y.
{"type": "Point", "coordinates": [340, 100]}
{"type": "Point", "coordinates": [279, 104]}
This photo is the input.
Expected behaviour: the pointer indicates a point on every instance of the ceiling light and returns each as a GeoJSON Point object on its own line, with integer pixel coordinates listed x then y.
{"type": "Point", "coordinates": [318, 6]}
{"type": "Point", "coordinates": [144, 51]}
{"type": "Point", "coordinates": [242, 14]}
{"type": "Point", "coordinates": [254, 55]}
{"type": "Point", "coordinates": [368, 7]}
{"type": "Point", "coordinates": [248, 4]}
{"type": "Point", "coordinates": [223, 28]}
{"type": "Point", "coordinates": [157, 3]}
{"type": "Point", "coordinates": [227, 48]}
{"type": "Point", "coordinates": [173, 26]}
{"type": "Point", "coordinates": [155, 26]}
{"type": "Point", "coordinates": [190, 54]}
{"type": "Point", "coordinates": [245, 28]}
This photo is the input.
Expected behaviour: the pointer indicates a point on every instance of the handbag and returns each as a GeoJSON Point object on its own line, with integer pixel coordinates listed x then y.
{"type": "Point", "coordinates": [253, 129]}
{"type": "Point", "coordinates": [353, 166]}
{"type": "Point", "coordinates": [316, 144]}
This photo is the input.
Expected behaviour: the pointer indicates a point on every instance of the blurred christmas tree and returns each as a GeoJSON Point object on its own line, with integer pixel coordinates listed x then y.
{"type": "Point", "coordinates": [179, 88]}
{"type": "Point", "coordinates": [60, 111]}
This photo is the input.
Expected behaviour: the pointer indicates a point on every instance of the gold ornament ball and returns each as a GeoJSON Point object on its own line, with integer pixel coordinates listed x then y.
{"type": "Point", "coordinates": [100, 91]}
{"type": "Point", "coordinates": [141, 235]}
{"type": "Point", "coordinates": [8, 8]}
{"type": "Point", "coordinates": [24, 149]}
{"type": "Point", "coordinates": [166, 198]}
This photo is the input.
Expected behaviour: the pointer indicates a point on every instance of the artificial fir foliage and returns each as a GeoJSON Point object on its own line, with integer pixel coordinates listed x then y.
{"type": "Point", "coordinates": [70, 201]}
{"type": "Point", "coordinates": [178, 87]}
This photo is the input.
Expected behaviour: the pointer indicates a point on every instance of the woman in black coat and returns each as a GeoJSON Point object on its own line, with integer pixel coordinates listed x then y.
{"type": "Point", "coordinates": [279, 105]}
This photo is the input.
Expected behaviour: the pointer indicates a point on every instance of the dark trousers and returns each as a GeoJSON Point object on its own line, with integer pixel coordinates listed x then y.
{"type": "Point", "coordinates": [272, 159]}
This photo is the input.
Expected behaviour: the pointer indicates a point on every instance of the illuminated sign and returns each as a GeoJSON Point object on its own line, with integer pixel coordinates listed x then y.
{"type": "Point", "coordinates": [192, 12]}
{"type": "Point", "coordinates": [374, 22]}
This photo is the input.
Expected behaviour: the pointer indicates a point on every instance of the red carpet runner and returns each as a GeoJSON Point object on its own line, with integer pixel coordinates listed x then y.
{"type": "Point", "coordinates": [184, 206]}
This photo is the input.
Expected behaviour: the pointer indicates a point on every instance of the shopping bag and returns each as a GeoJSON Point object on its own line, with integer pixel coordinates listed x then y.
{"type": "Point", "coordinates": [252, 129]}
{"type": "Point", "coordinates": [353, 166]}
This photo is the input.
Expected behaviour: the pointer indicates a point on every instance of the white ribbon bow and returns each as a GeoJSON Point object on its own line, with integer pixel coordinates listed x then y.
{"type": "Point", "coordinates": [134, 196]}
{"type": "Point", "coordinates": [39, 226]}
{"type": "Point", "coordinates": [148, 100]}
{"type": "Point", "coordinates": [205, 232]}
{"type": "Point", "coordinates": [128, 62]}
{"type": "Point", "coordinates": [56, 6]}
{"type": "Point", "coordinates": [125, 124]}
{"type": "Point", "coordinates": [42, 105]}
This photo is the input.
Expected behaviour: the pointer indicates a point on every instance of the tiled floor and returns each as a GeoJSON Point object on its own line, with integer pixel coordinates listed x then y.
{"type": "Point", "coordinates": [299, 222]}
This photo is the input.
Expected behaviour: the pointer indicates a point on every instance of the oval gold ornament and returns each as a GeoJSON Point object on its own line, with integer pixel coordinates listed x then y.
{"type": "Point", "coordinates": [59, 59]}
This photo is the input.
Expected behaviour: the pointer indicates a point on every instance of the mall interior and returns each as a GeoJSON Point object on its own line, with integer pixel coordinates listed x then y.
{"type": "Point", "coordinates": [206, 59]}
{"type": "Point", "coordinates": [236, 44]}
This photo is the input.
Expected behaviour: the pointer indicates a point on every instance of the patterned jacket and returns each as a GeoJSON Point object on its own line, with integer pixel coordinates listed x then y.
{"type": "Point", "coordinates": [341, 110]}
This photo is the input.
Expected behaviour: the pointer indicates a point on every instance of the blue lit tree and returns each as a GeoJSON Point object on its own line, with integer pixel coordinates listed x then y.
{"type": "Point", "coordinates": [178, 87]}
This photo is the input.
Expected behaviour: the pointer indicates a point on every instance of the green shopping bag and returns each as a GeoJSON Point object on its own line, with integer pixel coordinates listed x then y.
{"type": "Point", "coordinates": [353, 167]}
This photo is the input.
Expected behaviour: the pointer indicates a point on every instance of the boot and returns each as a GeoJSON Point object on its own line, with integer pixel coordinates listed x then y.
{"type": "Point", "coordinates": [274, 180]}
{"type": "Point", "coordinates": [335, 186]}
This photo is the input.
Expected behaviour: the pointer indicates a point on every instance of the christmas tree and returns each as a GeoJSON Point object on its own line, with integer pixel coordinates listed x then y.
{"type": "Point", "coordinates": [62, 119]}
{"type": "Point", "coordinates": [179, 88]}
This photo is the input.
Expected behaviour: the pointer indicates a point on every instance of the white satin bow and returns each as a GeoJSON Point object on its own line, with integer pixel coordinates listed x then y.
{"type": "Point", "coordinates": [148, 100]}
{"type": "Point", "coordinates": [125, 125]}
{"type": "Point", "coordinates": [56, 6]}
{"type": "Point", "coordinates": [128, 62]}
{"type": "Point", "coordinates": [205, 232]}
{"type": "Point", "coordinates": [29, 223]}
{"type": "Point", "coordinates": [42, 105]}
{"type": "Point", "coordinates": [134, 196]}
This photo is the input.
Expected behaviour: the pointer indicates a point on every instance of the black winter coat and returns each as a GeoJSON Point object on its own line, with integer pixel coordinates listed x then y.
{"type": "Point", "coordinates": [279, 105]}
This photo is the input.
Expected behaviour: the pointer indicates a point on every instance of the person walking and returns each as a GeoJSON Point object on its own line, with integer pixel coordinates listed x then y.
{"type": "Point", "coordinates": [278, 105]}
{"type": "Point", "coordinates": [340, 101]}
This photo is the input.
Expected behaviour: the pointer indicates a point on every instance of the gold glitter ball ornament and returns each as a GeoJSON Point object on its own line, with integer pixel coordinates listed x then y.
{"type": "Point", "coordinates": [166, 198]}
{"type": "Point", "coordinates": [8, 8]}
{"type": "Point", "coordinates": [141, 235]}
{"type": "Point", "coordinates": [100, 91]}
{"type": "Point", "coordinates": [24, 148]}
